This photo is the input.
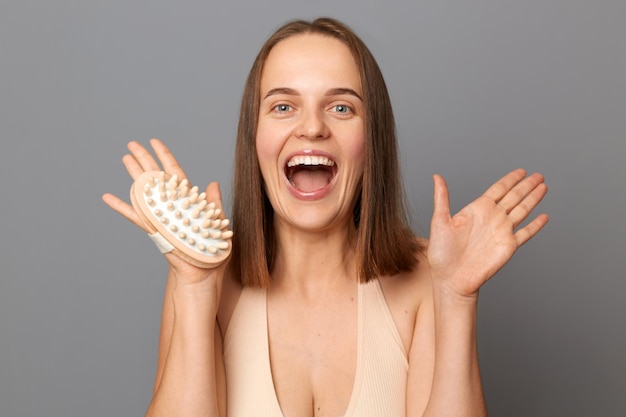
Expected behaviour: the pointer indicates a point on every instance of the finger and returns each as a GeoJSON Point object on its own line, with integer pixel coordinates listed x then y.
{"type": "Point", "coordinates": [132, 166]}
{"type": "Point", "coordinates": [143, 157]}
{"type": "Point", "coordinates": [170, 164]}
{"type": "Point", "coordinates": [441, 198]}
{"type": "Point", "coordinates": [526, 233]}
{"type": "Point", "coordinates": [504, 185]}
{"type": "Point", "coordinates": [519, 192]}
{"type": "Point", "coordinates": [214, 195]}
{"type": "Point", "coordinates": [528, 204]}
{"type": "Point", "coordinates": [124, 209]}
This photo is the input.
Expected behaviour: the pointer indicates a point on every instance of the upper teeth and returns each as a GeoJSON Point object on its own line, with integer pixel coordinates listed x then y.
{"type": "Point", "coordinates": [310, 160]}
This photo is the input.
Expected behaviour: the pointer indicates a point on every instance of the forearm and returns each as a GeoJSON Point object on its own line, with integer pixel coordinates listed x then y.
{"type": "Point", "coordinates": [167, 325]}
{"type": "Point", "coordinates": [186, 384]}
{"type": "Point", "coordinates": [457, 387]}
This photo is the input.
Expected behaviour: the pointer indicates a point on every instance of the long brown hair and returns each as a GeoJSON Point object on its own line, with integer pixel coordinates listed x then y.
{"type": "Point", "coordinates": [385, 243]}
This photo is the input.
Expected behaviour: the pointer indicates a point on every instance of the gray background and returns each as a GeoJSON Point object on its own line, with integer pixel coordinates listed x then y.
{"type": "Point", "coordinates": [479, 88]}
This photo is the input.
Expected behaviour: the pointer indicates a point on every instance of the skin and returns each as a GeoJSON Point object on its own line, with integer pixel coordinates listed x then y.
{"type": "Point", "coordinates": [313, 282]}
{"type": "Point", "coordinates": [303, 109]}
{"type": "Point", "coordinates": [307, 108]}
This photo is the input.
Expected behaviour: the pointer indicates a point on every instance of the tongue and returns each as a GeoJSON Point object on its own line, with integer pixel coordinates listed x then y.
{"type": "Point", "coordinates": [310, 179]}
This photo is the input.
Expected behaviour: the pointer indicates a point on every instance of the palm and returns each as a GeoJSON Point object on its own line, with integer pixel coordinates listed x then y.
{"type": "Point", "coordinates": [467, 249]}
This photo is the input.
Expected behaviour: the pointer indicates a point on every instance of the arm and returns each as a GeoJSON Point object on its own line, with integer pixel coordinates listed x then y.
{"type": "Point", "coordinates": [456, 384]}
{"type": "Point", "coordinates": [189, 379]}
{"type": "Point", "coordinates": [167, 326]}
{"type": "Point", "coordinates": [464, 252]}
{"type": "Point", "coordinates": [190, 367]}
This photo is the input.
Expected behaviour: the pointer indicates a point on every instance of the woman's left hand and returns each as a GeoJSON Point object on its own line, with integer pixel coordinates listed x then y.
{"type": "Point", "coordinates": [467, 249]}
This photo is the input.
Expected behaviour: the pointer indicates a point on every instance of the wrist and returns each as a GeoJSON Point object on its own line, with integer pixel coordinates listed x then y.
{"type": "Point", "coordinates": [446, 294]}
{"type": "Point", "coordinates": [193, 300]}
{"type": "Point", "coordinates": [455, 314]}
{"type": "Point", "coordinates": [198, 284]}
{"type": "Point", "coordinates": [186, 274]}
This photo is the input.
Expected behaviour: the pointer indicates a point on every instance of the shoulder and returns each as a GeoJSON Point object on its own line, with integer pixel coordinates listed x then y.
{"type": "Point", "coordinates": [407, 293]}
{"type": "Point", "coordinates": [412, 285]}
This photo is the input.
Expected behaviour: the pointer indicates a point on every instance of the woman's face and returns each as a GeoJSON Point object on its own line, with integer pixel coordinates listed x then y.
{"type": "Point", "coordinates": [311, 132]}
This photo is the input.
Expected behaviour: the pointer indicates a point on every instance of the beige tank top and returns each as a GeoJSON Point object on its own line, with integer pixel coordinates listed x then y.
{"type": "Point", "coordinates": [381, 373]}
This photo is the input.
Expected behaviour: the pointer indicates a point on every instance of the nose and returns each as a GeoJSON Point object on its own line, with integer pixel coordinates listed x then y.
{"type": "Point", "coordinates": [312, 126]}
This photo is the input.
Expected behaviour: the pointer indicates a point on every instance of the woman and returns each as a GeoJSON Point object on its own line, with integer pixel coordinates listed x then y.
{"type": "Point", "coordinates": [329, 306]}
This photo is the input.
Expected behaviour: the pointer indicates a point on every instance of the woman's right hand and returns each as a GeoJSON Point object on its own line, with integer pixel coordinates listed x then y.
{"type": "Point", "coordinates": [138, 161]}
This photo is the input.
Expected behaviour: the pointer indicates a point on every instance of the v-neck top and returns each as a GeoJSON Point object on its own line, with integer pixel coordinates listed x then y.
{"type": "Point", "coordinates": [379, 388]}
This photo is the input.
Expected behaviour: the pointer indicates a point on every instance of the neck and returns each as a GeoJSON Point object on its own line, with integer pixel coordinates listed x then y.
{"type": "Point", "coordinates": [309, 262]}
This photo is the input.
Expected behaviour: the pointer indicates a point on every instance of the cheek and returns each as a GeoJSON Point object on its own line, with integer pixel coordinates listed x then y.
{"type": "Point", "coordinates": [268, 135]}
{"type": "Point", "coordinates": [267, 150]}
{"type": "Point", "coordinates": [355, 148]}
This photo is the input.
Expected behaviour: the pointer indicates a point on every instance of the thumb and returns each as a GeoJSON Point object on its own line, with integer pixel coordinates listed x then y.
{"type": "Point", "coordinates": [213, 194]}
{"type": "Point", "coordinates": [441, 198]}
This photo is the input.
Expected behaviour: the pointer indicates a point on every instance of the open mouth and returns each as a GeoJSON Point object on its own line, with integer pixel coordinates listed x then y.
{"type": "Point", "coordinates": [309, 173]}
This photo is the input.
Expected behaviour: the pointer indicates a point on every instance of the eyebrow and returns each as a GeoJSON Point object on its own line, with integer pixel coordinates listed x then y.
{"type": "Point", "coordinates": [282, 90]}
{"type": "Point", "coordinates": [342, 91]}
{"type": "Point", "coordinates": [331, 92]}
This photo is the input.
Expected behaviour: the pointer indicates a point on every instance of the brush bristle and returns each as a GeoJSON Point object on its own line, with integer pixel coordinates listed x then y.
{"type": "Point", "coordinates": [191, 220]}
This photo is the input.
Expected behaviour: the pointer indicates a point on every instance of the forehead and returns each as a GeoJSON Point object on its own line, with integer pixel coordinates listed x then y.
{"type": "Point", "coordinates": [310, 60]}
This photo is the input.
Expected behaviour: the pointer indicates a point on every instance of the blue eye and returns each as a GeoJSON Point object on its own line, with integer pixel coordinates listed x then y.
{"type": "Point", "coordinates": [282, 108]}
{"type": "Point", "coordinates": [340, 108]}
